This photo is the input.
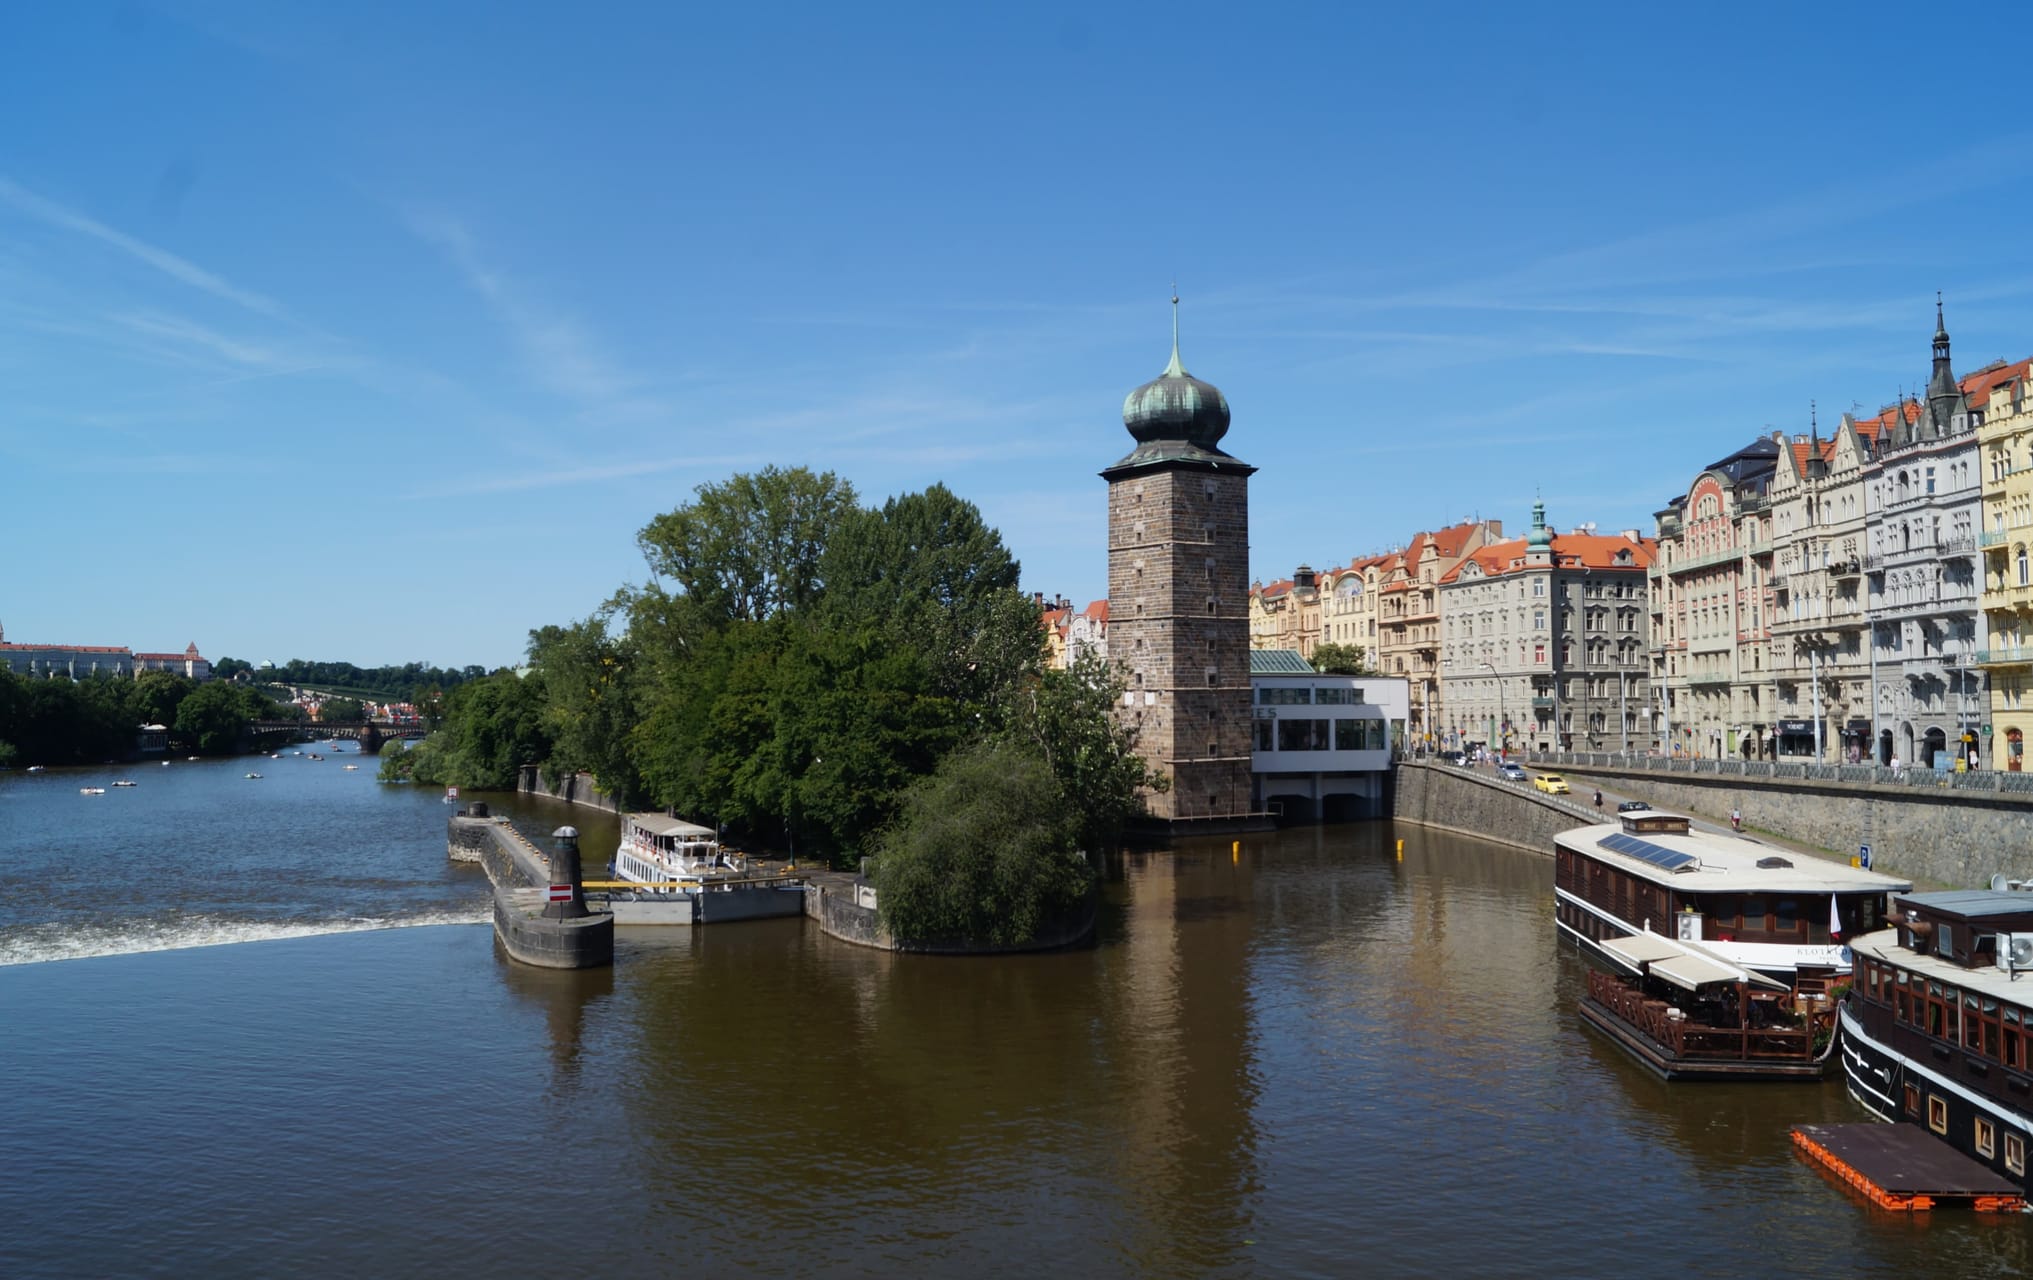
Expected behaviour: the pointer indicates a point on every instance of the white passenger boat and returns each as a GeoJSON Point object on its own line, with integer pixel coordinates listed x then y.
{"type": "Point", "coordinates": [671, 872]}
{"type": "Point", "coordinates": [1778, 913]}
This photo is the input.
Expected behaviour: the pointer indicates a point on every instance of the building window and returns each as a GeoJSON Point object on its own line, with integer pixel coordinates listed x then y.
{"type": "Point", "coordinates": [1937, 1114]}
{"type": "Point", "coordinates": [1913, 1101]}
{"type": "Point", "coordinates": [2015, 1154]}
{"type": "Point", "coordinates": [1987, 1138]}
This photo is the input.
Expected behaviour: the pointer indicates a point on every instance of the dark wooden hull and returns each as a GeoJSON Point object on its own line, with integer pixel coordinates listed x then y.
{"type": "Point", "coordinates": [1878, 1074]}
{"type": "Point", "coordinates": [1673, 1067]}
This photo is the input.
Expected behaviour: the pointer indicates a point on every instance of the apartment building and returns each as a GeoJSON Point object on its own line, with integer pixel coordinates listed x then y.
{"type": "Point", "coordinates": [1545, 643]}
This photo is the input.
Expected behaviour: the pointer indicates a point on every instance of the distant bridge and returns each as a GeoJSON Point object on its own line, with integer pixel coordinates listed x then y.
{"type": "Point", "coordinates": [370, 734]}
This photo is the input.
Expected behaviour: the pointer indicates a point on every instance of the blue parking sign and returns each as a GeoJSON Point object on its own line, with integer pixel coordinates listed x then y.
{"type": "Point", "coordinates": [1864, 856]}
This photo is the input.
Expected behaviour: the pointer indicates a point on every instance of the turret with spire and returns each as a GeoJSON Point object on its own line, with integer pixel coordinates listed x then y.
{"type": "Point", "coordinates": [1944, 396]}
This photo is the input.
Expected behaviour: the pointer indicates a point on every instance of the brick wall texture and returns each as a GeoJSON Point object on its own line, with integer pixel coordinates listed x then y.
{"type": "Point", "coordinates": [1178, 626]}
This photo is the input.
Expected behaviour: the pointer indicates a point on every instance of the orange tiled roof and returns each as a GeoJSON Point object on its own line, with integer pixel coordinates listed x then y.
{"type": "Point", "coordinates": [1978, 386]}
{"type": "Point", "coordinates": [1097, 610]}
{"type": "Point", "coordinates": [1589, 550]}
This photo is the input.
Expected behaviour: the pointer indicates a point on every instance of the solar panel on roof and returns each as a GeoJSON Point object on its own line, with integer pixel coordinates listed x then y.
{"type": "Point", "coordinates": [1645, 851]}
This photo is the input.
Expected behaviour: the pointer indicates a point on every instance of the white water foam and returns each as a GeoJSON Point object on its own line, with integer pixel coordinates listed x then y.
{"type": "Point", "coordinates": [39, 944]}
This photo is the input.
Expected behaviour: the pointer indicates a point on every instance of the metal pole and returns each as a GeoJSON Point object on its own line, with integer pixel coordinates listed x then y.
{"type": "Point", "coordinates": [1814, 671]}
{"type": "Point", "coordinates": [1874, 687]}
{"type": "Point", "coordinates": [1623, 717]}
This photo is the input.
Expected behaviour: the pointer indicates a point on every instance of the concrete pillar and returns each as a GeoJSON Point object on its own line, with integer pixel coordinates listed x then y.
{"type": "Point", "coordinates": [565, 870]}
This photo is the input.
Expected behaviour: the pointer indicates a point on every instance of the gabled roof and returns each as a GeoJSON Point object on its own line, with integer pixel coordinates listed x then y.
{"type": "Point", "coordinates": [1097, 610]}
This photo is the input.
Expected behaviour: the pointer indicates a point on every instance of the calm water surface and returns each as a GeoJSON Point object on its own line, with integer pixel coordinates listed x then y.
{"type": "Point", "coordinates": [1309, 1059]}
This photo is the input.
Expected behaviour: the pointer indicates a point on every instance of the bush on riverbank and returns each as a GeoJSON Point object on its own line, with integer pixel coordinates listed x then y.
{"type": "Point", "coordinates": [985, 852]}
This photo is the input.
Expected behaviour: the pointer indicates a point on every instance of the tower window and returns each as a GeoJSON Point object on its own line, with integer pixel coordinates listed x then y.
{"type": "Point", "coordinates": [1210, 605]}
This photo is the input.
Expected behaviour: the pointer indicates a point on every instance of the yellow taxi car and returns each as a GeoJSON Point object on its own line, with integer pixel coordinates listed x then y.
{"type": "Point", "coordinates": [1552, 784]}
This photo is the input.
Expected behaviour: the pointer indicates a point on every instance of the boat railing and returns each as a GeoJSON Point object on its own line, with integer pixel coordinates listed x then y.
{"type": "Point", "coordinates": [1689, 1037]}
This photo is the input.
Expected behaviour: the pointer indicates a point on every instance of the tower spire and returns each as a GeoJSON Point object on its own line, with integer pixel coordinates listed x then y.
{"type": "Point", "coordinates": [1175, 369]}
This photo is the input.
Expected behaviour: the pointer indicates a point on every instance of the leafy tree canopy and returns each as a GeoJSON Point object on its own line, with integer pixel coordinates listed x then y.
{"type": "Point", "coordinates": [1342, 660]}
{"type": "Point", "coordinates": [983, 851]}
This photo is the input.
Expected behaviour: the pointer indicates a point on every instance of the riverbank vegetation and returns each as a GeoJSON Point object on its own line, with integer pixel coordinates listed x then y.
{"type": "Point", "coordinates": [62, 722]}
{"type": "Point", "coordinates": [794, 666]}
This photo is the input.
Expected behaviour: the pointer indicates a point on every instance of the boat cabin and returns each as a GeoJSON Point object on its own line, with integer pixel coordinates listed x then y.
{"type": "Point", "coordinates": [1942, 1026]}
{"type": "Point", "coordinates": [1771, 910]}
{"type": "Point", "coordinates": [657, 849]}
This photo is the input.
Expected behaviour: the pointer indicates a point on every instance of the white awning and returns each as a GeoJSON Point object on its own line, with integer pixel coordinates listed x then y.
{"type": "Point", "coordinates": [1639, 948]}
{"type": "Point", "coordinates": [1684, 964]}
{"type": "Point", "coordinates": [1691, 971]}
{"type": "Point", "coordinates": [658, 825]}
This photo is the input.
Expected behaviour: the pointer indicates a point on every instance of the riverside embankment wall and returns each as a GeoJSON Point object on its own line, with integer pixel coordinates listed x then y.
{"type": "Point", "coordinates": [1478, 803]}
{"type": "Point", "coordinates": [1931, 830]}
{"type": "Point", "coordinates": [573, 788]}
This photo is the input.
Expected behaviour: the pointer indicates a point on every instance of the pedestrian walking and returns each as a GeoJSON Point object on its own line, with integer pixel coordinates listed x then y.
{"type": "Point", "coordinates": [1598, 797]}
{"type": "Point", "coordinates": [1736, 820]}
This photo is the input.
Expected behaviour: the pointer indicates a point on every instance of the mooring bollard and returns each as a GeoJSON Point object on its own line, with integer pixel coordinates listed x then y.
{"type": "Point", "coordinates": [567, 895]}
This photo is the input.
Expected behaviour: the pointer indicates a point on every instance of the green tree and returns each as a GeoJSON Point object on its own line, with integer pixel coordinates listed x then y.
{"type": "Point", "coordinates": [342, 710]}
{"type": "Point", "coordinates": [214, 718]}
{"type": "Point", "coordinates": [1066, 719]}
{"type": "Point", "coordinates": [982, 852]}
{"type": "Point", "coordinates": [749, 548]}
{"type": "Point", "coordinates": [155, 695]}
{"type": "Point", "coordinates": [227, 668]}
{"type": "Point", "coordinates": [1342, 660]}
{"type": "Point", "coordinates": [927, 572]}
{"type": "Point", "coordinates": [589, 681]}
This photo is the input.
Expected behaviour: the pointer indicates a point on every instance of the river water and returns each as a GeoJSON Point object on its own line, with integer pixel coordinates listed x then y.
{"type": "Point", "coordinates": [235, 1052]}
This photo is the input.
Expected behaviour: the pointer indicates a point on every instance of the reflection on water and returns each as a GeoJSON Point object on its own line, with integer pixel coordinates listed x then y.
{"type": "Point", "coordinates": [1305, 1058]}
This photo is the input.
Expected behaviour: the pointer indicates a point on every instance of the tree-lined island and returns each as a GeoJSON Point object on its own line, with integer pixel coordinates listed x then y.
{"type": "Point", "coordinates": [842, 680]}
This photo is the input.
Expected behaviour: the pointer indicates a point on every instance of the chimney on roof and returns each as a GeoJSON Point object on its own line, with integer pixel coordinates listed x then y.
{"type": "Point", "coordinates": [1631, 535]}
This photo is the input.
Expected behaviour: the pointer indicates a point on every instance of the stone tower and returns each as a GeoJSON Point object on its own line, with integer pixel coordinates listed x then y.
{"type": "Point", "coordinates": [1178, 595]}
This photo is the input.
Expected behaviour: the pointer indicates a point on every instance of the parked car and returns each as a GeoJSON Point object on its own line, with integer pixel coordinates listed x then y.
{"type": "Point", "coordinates": [1552, 784]}
{"type": "Point", "coordinates": [1450, 757]}
{"type": "Point", "coordinates": [1631, 806]}
{"type": "Point", "coordinates": [1511, 772]}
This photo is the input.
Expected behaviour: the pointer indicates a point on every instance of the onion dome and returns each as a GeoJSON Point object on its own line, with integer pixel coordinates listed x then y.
{"type": "Point", "coordinates": [1176, 405]}
{"type": "Point", "coordinates": [1539, 535]}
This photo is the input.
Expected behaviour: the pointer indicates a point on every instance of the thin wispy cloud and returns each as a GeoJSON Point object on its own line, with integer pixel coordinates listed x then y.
{"type": "Point", "coordinates": [50, 213]}
{"type": "Point", "coordinates": [562, 351]}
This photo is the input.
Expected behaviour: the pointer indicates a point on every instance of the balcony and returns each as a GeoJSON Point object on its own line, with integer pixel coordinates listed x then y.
{"type": "Point", "coordinates": [1728, 555]}
{"type": "Point", "coordinates": [2004, 657]}
{"type": "Point", "coordinates": [1708, 679]}
{"type": "Point", "coordinates": [1542, 704]}
{"type": "Point", "coordinates": [1993, 538]}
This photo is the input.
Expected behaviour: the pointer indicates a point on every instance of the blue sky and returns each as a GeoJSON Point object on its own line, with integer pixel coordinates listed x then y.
{"type": "Point", "coordinates": [374, 332]}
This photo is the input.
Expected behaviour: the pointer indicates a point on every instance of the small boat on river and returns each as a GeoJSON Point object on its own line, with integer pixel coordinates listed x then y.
{"type": "Point", "coordinates": [123, 783]}
{"type": "Point", "coordinates": [671, 872]}
{"type": "Point", "coordinates": [91, 791]}
{"type": "Point", "coordinates": [253, 775]}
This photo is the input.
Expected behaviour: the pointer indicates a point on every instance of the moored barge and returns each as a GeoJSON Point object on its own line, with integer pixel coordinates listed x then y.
{"type": "Point", "coordinates": [1937, 1031]}
{"type": "Point", "coordinates": [1781, 915]}
{"type": "Point", "coordinates": [1690, 1015]}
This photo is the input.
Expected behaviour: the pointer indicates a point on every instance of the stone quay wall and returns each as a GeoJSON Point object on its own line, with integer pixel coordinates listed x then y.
{"type": "Point", "coordinates": [1478, 803]}
{"type": "Point", "coordinates": [573, 788]}
{"type": "Point", "coordinates": [847, 912]}
{"type": "Point", "coordinates": [1926, 829]}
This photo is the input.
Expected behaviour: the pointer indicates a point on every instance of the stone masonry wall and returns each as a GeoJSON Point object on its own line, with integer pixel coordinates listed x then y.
{"type": "Point", "coordinates": [1928, 834]}
{"type": "Point", "coordinates": [1482, 805]}
{"type": "Point", "coordinates": [1178, 624]}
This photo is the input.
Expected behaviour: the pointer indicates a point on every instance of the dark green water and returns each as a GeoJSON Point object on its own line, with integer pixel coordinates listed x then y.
{"type": "Point", "coordinates": [1311, 1059]}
